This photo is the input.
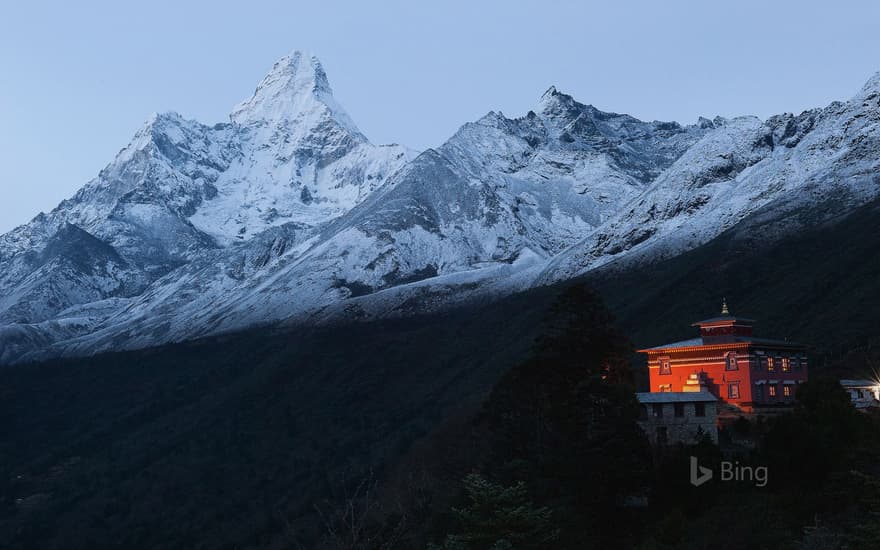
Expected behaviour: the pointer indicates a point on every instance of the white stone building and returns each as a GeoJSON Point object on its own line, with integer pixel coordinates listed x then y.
{"type": "Point", "coordinates": [863, 393]}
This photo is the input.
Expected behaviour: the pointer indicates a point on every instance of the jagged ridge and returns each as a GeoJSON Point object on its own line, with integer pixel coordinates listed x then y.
{"type": "Point", "coordinates": [287, 212]}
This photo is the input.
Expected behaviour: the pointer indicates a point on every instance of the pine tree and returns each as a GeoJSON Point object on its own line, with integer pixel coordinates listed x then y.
{"type": "Point", "coordinates": [564, 420]}
{"type": "Point", "coordinates": [499, 517]}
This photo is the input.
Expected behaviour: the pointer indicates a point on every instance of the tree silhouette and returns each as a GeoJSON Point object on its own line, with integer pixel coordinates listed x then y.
{"type": "Point", "coordinates": [499, 517]}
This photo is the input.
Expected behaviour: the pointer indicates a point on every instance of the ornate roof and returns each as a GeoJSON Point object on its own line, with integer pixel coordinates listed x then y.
{"type": "Point", "coordinates": [742, 337]}
{"type": "Point", "coordinates": [696, 342]}
{"type": "Point", "coordinates": [725, 316]}
{"type": "Point", "coordinates": [721, 318]}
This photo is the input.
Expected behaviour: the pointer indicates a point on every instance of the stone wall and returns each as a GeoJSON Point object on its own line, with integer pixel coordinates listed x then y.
{"type": "Point", "coordinates": [679, 429]}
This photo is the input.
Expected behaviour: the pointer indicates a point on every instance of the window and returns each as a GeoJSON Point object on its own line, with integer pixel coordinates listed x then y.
{"type": "Point", "coordinates": [665, 367]}
{"type": "Point", "coordinates": [759, 391]}
{"type": "Point", "coordinates": [658, 410]}
{"type": "Point", "coordinates": [662, 437]}
{"type": "Point", "coordinates": [786, 390]}
{"type": "Point", "coordinates": [730, 361]}
{"type": "Point", "coordinates": [699, 409]}
{"type": "Point", "coordinates": [861, 394]}
{"type": "Point", "coordinates": [679, 409]}
{"type": "Point", "coordinates": [771, 390]}
{"type": "Point", "coordinates": [786, 364]}
{"type": "Point", "coordinates": [733, 390]}
{"type": "Point", "coordinates": [770, 366]}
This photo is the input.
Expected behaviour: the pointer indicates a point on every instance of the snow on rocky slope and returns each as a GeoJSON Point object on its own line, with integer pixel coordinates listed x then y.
{"type": "Point", "coordinates": [766, 178]}
{"type": "Point", "coordinates": [501, 196]}
{"type": "Point", "coordinates": [289, 213]}
{"type": "Point", "coordinates": [290, 155]}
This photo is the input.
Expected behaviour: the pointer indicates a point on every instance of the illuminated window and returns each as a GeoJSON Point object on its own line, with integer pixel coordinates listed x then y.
{"type": "Point", "coordinates": [733, 390]}
{"type": "Point", "coordinates": [786, 390]}
{"type": "Point", "coordinates": [786, 365]}
{"type": "Point", "coordinates": [772, 391]}
{"type": "Point", "coordinates": [731, 361]}
{"type": "Point", "coordinates": [665, 367]}
{"type": "Point", "coordinates": [770, 365]}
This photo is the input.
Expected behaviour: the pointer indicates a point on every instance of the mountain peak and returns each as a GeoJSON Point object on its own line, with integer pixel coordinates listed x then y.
{"type": "Point", "coordinates": [299, 71]}
{"type": "Point", "coordinates": [296, 89]}
{"type": "Point", "coordinates": [555, 104]}
{"type": "Point", "coordinates": [552, 98]}
{"type": "Point", "coordinates": [872, 85]}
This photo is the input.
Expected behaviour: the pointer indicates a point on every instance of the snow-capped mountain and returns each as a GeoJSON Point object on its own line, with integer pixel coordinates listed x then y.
{"type": "Point", "coordinates": [289, 155]}
{"type": "Point", "coordinates": [766, 178]}
{"type": "Point", "coordinates": [287, 212]}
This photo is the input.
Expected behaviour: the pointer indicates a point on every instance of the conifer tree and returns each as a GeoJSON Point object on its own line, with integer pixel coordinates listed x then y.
{"type": "Point", "coordinates": [499, 517]}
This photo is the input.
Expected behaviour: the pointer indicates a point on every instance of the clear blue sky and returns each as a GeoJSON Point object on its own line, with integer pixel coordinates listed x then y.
{"type": "Point", "coordinates": [78, 79]}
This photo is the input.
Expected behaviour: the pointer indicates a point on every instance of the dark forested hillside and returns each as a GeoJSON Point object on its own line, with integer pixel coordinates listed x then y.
{"type": "Point", "coordinates": [233, 441]}
{"type": "Point", "coordinates": [821, 287]}
{"type": "Point", "coordinates": [248, 440]}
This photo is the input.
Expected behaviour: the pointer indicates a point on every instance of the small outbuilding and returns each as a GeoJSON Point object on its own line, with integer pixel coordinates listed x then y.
{"type": "Point", "coordinates": [669, 418]}
{"type": "Point", "coordinates": [863, 393]}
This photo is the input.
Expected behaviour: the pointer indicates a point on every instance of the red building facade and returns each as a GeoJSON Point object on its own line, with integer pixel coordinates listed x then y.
{"type": "Point", "coordinates": [738, 368]}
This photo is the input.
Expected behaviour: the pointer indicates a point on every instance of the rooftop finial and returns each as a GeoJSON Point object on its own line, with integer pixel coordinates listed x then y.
{"type": "Point", "coordinates": [724, 310]}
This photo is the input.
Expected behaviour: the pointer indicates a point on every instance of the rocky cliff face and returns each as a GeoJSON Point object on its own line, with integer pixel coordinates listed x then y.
{"type": "Point", "coordinates": [783, 174]}
{"type": "Point", "coordinates": [288, 213]}
{"type": "Point", "coordinates": [181, 189]}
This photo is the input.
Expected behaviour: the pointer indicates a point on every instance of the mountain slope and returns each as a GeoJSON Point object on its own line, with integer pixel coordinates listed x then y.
{"type": "Point", "coordinates": [272, 427]}
{"type": "Point", "coordinates": [501, 196]}
{"type": "Point", "coordinates": [795, 171]}
{"type": "Point", "coordinates": [287, 214]}
{"type": "Point", "coordinates": [181, 189]}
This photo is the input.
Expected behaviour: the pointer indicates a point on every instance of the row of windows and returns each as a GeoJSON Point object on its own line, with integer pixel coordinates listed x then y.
{"type": "Point", "coordinates": [730, 361]}
{"type": "Point", "coordinates": [733, 390]}
{"type": "Point", "coordinates": [862, 393]}
{"type": "Point", "coordinates": [678, 409]}
{"type": "Point", "coordinates": [772, 391]}
{"type": "Point", "coordinates": [785, 364]}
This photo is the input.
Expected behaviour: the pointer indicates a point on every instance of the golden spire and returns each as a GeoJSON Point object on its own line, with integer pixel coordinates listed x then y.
{"type": "Point", "coordinates": [724, 310]}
